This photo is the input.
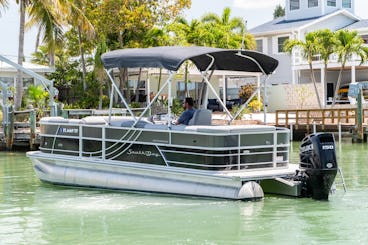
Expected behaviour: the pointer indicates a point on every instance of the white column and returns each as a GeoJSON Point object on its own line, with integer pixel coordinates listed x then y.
{"type": "Point", "coordinates": [258, 85]}
{"type": "Point", "coordinates": [224, 89]}
{"type": "Point", "coordinates": [353, 74]}
{"type": "Point", "coordinates": [224, 94]}
{"type": "Point", "coordinates": [323, 83]}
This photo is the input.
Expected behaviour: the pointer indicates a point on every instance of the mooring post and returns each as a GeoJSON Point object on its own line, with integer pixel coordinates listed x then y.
{"type": "Point", "coordinates": [339, 129]}
{"type": "Point", "coordinates": [291, 132]}
{"type": "Point", "coordinates": [9, 127]}
{"type": "Point", "coordinates": [358, 134]}
{"type": "Point", "coordinates": [32, 127]}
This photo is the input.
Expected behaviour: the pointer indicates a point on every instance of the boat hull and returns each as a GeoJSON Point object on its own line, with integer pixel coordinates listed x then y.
{"type": "Point", "coordinates": [96, 173]}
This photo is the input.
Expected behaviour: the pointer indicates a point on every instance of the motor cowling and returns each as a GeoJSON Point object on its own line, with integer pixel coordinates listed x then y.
{"type": "Point", "coordinates": [319, 163]}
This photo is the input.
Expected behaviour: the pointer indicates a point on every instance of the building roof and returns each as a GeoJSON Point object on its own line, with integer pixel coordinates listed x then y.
{"type": "Point", "coordinates": [358, 25]}
{"type": "Point", "coordinates": [4, 67]}
{"type": "Point", "coordinates": [280, 25]}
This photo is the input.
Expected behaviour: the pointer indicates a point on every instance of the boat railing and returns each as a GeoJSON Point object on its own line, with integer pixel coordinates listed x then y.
{"type": "Point", "coordinates": [273, 152]}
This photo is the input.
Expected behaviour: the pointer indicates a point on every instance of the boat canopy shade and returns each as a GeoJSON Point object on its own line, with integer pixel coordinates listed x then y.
{"type": "Point", "coordinates": [172, 57]}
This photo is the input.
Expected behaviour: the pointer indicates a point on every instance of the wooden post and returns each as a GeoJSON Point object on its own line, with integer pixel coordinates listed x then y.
{"type": "Point", "coordinates": [65, 114]}
{"type": "Point", "coordinates": [358, 136]}
{"type": "Point", "coordinates": [32, 128]}
{"type": "Point", "coordinates": [9, 127]}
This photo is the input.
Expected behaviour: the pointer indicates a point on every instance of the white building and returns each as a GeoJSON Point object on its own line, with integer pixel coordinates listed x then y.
{"type": "Point", "coordinates": [8, 73]}
{"type": "Point", "coordinates": [301, 17]}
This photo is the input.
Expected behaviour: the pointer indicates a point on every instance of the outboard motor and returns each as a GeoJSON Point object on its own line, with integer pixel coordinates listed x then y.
{"type": "Point", "coordinates": [318, 160]}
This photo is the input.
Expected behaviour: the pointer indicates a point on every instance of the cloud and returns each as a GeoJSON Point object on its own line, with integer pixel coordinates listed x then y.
{"type": "Point", "coordinates": [255, 4]}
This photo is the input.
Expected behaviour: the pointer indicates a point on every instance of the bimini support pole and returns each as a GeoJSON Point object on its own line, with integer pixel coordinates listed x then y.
{"type": "Point", "coordinates": [111, 102]}
{"type": "Point", "coordinates": [264, 89]}
{"type": "Point", "coordinates": [168, 81]}
{"type": "Point", "coordinates": [119, 93]}
{"type": "Point", "coordinates": [204, 76]}
{"type": "Point", "coordinates": [250, 98]}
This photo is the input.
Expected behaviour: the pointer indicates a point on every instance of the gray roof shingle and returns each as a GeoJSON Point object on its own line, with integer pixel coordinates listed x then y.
{"type": "Point", "coordinates": [280, 24]}
{"type": "Point", "coordinates": [358, 25]}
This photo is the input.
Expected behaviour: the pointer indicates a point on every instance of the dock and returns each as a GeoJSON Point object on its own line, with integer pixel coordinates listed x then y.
{"type": "Point", "coordinates": [20, 128]}
{"type": "Point", "coordinates": [23, 131]}
{"type": "Point", "coordinates": [342, 121]}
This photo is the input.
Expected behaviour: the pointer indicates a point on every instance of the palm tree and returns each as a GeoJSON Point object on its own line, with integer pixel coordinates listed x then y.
{"type": "Point", "coordinates": [49, 16]}
{"type": "Point", "coordinates": [19, 80]}
{"type": "Point", "coordinates": [41, 56]}
{"type": "Point", "coordinates": [348, 43]}
{"type": "Point", "coordinates": [187, 34]}
{"type": "Point", "coordinates": [326, 47]}
{"type": "Point", "coordinates": [225, 27]}
{"type": "Point", "coordinates": [46, 16]}
{"type": "Point", "coordinates": [233, 24]}
{"type": "Point", "coordinates": [76, 17]}
{"type": "Point", "coordinates": [3, 4]}
{"type": "Point", "coordinates": [23, 4]}
{"type": "Point", "coordinates": [99, 68]}
{"type": "Point", "coordinates": [310, 48]}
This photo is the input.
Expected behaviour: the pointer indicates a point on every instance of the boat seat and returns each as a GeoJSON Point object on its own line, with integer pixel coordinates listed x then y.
{"type": "Point", "coordinates": [53, 120]}
{"type": "Point", "coordinates": [93, 120]}
{"type": "Point", "coordinates": [201, 117]}
{"type": "Point", "coordinates": [60, 120]}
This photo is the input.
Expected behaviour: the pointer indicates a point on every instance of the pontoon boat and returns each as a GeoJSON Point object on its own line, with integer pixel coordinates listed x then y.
{"type": "Point", "coordinates": [134, 153]}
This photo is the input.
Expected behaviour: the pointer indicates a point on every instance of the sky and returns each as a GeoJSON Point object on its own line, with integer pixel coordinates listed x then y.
{"type": "Point", "coordinates": [255, 12]}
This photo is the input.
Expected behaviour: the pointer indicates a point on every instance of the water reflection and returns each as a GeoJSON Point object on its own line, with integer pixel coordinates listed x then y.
{"type": "Point", "coordinates": [108, 217]}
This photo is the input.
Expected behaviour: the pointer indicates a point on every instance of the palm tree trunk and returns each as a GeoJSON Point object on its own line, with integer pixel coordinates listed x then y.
{"type": "Point", "coordinates": [81, 51]}
{"type": "Point", "coordinates": [19, 80]}
{"type": "Point", "coordinates": [100, 97]}
{"type": "Point", "coordinates": [38, 38]}
{"type": "Point", "coordinates": [159, 80]}
{"type": "Point", "coordinates": [186, 80]}
{"type": "Point", "coordinates": [138, 85]}
{"type": "Point", "coordinates": [315, 85]}
{"type": "Point", "coordinates": [324, 84]}
{"type": "Point", "coordinates": [338, 84]}
{"type": "Point", "coordinates": [124, 83]}
{"type": "Point", "coordinates": [52, 57]}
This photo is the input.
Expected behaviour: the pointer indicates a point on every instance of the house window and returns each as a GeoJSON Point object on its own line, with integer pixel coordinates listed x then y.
{"type": "Point", "coordinates": [312, 3]}
{"type": "Point", "coordinates": [194, 90]}
{"type": "Point", "coordinates": [346, 3]}
{"type": "Point", "coordinates": [259, 46]}
{"type": "Point", "coordinates": [331, 3]}
{"type": "Point", "coordinates": [280, 44]}
{"type": "Point", "coordinates": [294, 4]}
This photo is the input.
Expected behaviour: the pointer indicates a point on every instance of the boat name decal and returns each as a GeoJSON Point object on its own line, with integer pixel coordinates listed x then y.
{"type": "Point", "coordinates": [68, 130]}
{"type": "Point", "coordinates": [145, 153]}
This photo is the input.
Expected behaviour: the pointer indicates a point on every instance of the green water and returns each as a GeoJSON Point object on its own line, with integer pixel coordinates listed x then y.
{"type": "Point", "coordinates": [32, 212]}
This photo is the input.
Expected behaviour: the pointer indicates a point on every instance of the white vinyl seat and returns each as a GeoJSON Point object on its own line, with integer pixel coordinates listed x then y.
{"type": "Point", "coordinates": [201, 117]}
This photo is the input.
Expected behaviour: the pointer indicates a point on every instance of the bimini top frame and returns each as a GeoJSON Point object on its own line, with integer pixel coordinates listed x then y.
{"type": "Point", "coordinates": [171, 58]}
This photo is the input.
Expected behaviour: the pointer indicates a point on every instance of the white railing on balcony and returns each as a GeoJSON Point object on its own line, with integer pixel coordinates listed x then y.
{"type": "Point", "coordinates": [299, 59]}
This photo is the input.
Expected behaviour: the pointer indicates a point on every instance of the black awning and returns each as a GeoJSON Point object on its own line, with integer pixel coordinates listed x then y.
{"type": "Point", "coordinates": [171, 58]}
